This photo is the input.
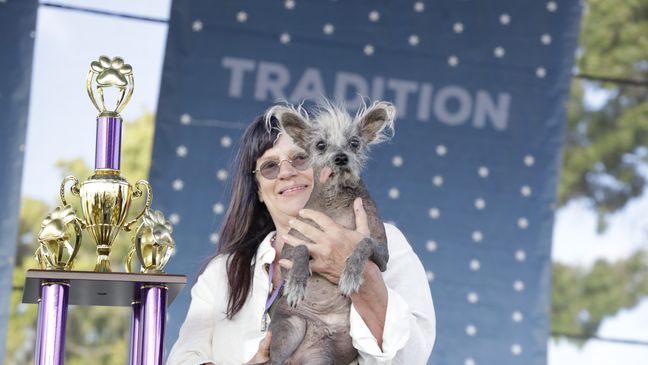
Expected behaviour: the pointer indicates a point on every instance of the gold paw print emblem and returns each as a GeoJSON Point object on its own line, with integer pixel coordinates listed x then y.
{"type": "Point", "coordinates": [110, 73]}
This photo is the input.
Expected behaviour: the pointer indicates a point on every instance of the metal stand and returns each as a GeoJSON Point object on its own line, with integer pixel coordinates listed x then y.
{"type": "Point", "coordinates": [147, 294]}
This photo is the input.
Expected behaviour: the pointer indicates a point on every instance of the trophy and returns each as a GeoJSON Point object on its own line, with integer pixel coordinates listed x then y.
{"type": "Point", "coordinates": [105, 199]}
{"type": "Point", "coordinates": [55, 250]}
{"type": "Point", "coordinates": [106, 196]}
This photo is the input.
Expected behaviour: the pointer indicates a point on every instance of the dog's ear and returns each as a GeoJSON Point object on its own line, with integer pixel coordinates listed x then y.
{"type": "Point", "coordinates": [375, 120]}
{"type": "Point", "coordinates": [291, 121]}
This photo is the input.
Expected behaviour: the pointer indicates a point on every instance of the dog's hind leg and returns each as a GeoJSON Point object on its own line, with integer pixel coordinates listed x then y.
{"type": "Point", "coordinates": [287, 334]}
{"type": "Point", "coordinates": [297, 276]}
{"type": "Point", "coordinates": [351, 278]}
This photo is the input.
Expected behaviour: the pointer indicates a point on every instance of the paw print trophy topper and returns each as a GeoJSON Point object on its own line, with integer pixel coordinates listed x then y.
{"type": "Point", "coordinates": [107, 73]}
{"type": "Point", "coordinates": [106, 196]}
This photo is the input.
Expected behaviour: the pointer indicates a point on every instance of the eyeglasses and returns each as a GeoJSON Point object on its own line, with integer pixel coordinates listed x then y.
{"type": "Point", "coordinates": [270, 169]}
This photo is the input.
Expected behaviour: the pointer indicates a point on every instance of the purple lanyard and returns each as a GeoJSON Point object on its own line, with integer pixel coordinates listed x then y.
{"type": "Point", "coordinates": [276, 290]}
{"type": "Point", "coordinates": [273, 296]}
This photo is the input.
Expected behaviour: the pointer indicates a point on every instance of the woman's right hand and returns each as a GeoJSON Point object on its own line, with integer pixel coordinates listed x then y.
{"type": "Point", "coordinates": [263, 354]}
{"type": "Point", "coordinates": [332, 243]}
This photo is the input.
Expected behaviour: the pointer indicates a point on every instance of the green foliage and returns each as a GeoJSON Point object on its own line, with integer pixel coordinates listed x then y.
{"type": "Point", "coordinates": [605, 147]}
{"type": "Point", "coordinates": [582, 298]}
{"type": "Point", "coordinates": [605, 160]}
{"type": "Point", "coordinates": [95, 335]}
{"type": "Point", "coordinates": [614, 38]}
{"type": "Point", "coordinates": [31, 215]}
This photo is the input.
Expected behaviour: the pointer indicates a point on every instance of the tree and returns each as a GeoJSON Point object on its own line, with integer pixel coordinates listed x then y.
{"type": "Point", "coordinates": [583, 297]}
{"type": "Point", "coordinates": [605, 159]}
{"type": "Point", "coordinates": [605, 148]}
{"type": "Point", "coordinates": [96, 335]}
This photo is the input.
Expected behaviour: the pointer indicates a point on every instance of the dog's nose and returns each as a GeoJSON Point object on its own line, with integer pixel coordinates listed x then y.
{"type": "Point", "coordinates": [341, 159]}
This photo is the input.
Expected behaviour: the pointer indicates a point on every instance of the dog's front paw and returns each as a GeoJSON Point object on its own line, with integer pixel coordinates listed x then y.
{"type": "Point", "coordinates": [294, 290]}
{"type": "Point", "coordinates": [351, 279]}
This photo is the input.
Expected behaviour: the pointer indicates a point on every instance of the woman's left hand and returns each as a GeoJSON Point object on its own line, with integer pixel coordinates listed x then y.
{"type": "Point", "coordinates": [333, 243]}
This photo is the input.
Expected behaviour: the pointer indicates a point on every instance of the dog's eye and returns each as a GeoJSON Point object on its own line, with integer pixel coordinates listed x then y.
{"type": "Point", "coordinates": [321, 146]}
{"type": "Point", "coordinates": [355, 142]}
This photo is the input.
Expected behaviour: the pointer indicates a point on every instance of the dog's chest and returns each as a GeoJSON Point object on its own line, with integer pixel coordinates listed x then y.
{"type": "Point", "coordinates": [324, 301]}
{"type": "Point", "coordinates": [337, 204]}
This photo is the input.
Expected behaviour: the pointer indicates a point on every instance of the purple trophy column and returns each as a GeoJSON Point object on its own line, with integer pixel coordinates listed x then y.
{"type": "Point", "coordinates": [153, 320]}
{"type": "Point", "coordinates": [108, 147]}
{"type": "Point", "coordinates": [52, 315]}
{"type": "Point", "coordinates": [136, 343]}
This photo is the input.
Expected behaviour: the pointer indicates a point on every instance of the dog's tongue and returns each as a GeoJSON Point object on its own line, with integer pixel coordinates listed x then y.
{"type": "Point", "coordinates": [325, 174]}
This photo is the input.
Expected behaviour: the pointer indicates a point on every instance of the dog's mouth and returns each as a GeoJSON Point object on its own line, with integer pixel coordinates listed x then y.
{"type": "Point", "coordinates": [327, 173]}
{"type": "Point", "coordinates": [342, 170]}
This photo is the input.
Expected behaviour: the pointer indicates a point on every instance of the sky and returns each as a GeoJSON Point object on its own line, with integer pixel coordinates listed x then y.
{"type": "Point", "coordinates": [62, 126]}
{"type": "Point", "coordinates": [61, 116]}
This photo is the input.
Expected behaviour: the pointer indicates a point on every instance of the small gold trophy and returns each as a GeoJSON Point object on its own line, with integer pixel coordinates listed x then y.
{"type": "Point", "coordinates": [105, 196]}
{"type": "Point", "coordinates": [153, 243]}
{"type": "Point", "coordinates": [56, 250]}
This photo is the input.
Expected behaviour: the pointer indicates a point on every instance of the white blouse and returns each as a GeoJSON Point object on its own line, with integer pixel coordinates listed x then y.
{"type": "Point", "coordinates": [208, 336]}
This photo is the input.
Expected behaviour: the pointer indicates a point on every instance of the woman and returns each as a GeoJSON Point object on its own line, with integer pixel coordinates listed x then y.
{"type": "Point", "coordinates": [392, 316]}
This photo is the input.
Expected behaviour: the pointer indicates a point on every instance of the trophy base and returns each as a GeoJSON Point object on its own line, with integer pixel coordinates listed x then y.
{"type": "Point", "coordinates": [102, 289]}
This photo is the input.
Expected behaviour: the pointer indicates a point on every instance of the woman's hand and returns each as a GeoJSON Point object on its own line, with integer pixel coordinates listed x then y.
{"type": "Point", "coordinates": [333, 243]}
{"type": "Point", "coordinates": [263, 354]}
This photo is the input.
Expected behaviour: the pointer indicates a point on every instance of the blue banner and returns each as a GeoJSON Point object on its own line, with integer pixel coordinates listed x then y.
{"type": "Point", "coordinates": [470, 176]}
{"type": "Point", "coordinates": [17, 27]}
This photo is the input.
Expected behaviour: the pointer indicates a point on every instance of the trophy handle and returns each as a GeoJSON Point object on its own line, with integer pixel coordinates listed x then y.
{"type": "Point", "coordinates": [136, 194]}
{"type": "Point", "coordinates": [129, 259]}
{"type": "Point", "coordinates": [77, 243]}
{"type": "Point", "coordinates": [89, 78]}
{"type": "Point", "coordinates": [125, 95]}
{"type": "Point", "coordinates": [74, 189]}
{"type": "Point", "coordinates": [40, 258]}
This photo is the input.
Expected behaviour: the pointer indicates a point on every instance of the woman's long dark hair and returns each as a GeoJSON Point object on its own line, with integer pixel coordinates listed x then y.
{"type": "Point", "coordinates": [247, 220]}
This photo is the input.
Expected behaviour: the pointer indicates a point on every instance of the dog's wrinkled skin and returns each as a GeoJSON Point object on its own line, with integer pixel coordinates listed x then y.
{"type": "Point", "coordinates": [311, 323]}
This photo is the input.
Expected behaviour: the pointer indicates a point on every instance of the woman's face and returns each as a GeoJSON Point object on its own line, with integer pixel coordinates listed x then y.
{"type": "Point", "coordinates": [285, 195]}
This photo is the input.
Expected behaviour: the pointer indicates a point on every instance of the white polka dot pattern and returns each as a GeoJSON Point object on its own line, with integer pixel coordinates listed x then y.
{"type": "Point", "coordinates": [467, 175]}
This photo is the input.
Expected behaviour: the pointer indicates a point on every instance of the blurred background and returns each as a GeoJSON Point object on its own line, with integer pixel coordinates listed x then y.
{"type": "Point", "coordinates": [599, 253]}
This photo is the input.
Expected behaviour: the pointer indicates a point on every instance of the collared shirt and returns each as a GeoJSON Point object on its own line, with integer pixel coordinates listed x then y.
{"type": "Point", "coordinates": [208, 336]}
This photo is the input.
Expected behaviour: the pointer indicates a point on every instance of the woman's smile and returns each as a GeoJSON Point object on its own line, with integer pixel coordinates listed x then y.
{"type": "Point", "coordinates": [293, 190]}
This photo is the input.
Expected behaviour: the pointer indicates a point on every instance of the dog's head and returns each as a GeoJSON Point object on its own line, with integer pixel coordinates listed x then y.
{"type": "Point", "coordinates": [333, 138]}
